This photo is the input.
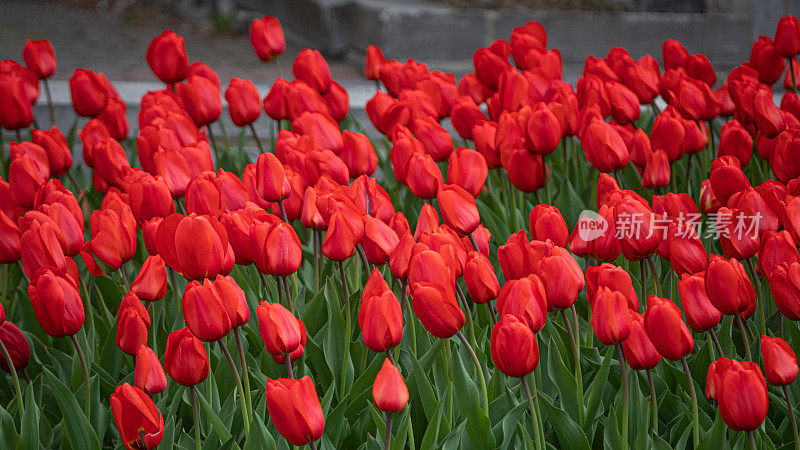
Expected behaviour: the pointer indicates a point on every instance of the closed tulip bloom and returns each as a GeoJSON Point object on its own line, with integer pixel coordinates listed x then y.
{"type": "Point", "coordinates": [150, 283]}
{"type": "Point", "coordinates": [780, 362]}
{"type": "Point", "coordinates": [776, 248]}
{"type": "Point", "coordinates": [279, 328]}
{"type": "Point", "coordinates": [274, 103]}
{"type": "Point", "coordinates": [358, 154]}
{"type": "Point", "coordinates": [526, 298]}
{"type": "Point", "coordinates": [424, 177]}
{"type": "Point", "coordinates": [656, 171]}
{"type": "Point", "coordinates": [201, 99]}
{"type": "Point", "coordinates": [701, 314]}
{"type": "Point", "coordinates": [59, 156]}
{"type": "Point", "coordinates": [686, 253]}
{"type": "Point", "coordinates": [604, 147]}
{"type": "Point", "coordinates": [133, 321]}
{"type": "Point", "coordinates": [40, 57]}
{"type": "Point", "coordinates": [9, 240]}
{"type": "Point", "coordinates": [340, 239]}
{"type": "Point", "coordinates": [311, 68]}
{"type": "Point", "coordinates": [148, 373]}
{"type": "Point", "coordinates": [639, 350]}
{"type": "Point", "coordinates": [768, 117]}
{"type": "Point", "coordinates": [610, 319]}
{"type": "Point", "coordinates": [784, 284]}
{"type": "Point", "coordinates": [40, 248]}
{"type": "Point", "coordinates": [89, 93]}
{"type": "Point", "coordinates": [25, 176]}
{"type": "Point", "coordinates": [546, 222]}
{"type": "Point", "coordinates": [295, 410]}
{"type": "Point", "coordinates": [372, 62]}
{"type": "Point", "coordinates": [459, 210]}
{"type": "Point", "coordinates": [734, 140]}
{"type": "Point", "coordinates": [234, 300]}
{"type": "Point", "coordinates": [379, 241]}
{"type": "Point", "coordinates": [399, 260]}
{"type": "Point", "coordinates": [278, 250]}
{"type": "Point", "coordinates": [150, 197]}
{"type": "Point", "coordinates": [17, 110]}
{"type": "Point", "coordinates": [666, 329]}
{"type": "Point", "coordinates": [479, 276]}
{"type": "Point", "coordinates": [727, 285]}
{"type": "Point", "coordinates": [544, 131]}
{"type": "Point", "coordinates": [185, 358]}
{"type": "Point", "coordinates": [741, 392]}
{"type": "Point", "coordinates": [437, 309]}
{"type": "Point", "coordinates": [389, 391]}
{"type": "Point", "coordinates": [115, 118]}
{"type": "Point", "coordinates": [727, 178]}
{"type": "Point", "coordinates": [113, 235]}
{"type": "Point", "coordinates": [204, 312]}
{"type": "Point", "coordinates": [271, 182]}
{"type": "Point", "coordinates": [166, 56]}
{"type": "Point", "coordinates": [195, 246]}
{"type": "Point", "coordinates": [514, 348]}
{"type": "Point", "coordinates": [17, 345]}
{"type": "Point", "coordinates": [56, 303]}
{"type": "Point", "coordinates": [244, 101]}
{"type": "Point", "coordinates": [563, 279]}
{"type": "Point", "coordinates": [136, 417]}
{"type": "Point", "coordinates": [266, 37]}
{"type": "Point", "coordinates": [787, 36]}
{"type": "Point", "coordinates": [467, 169]}
{"type": "Point", "coordinates": [380, 317]}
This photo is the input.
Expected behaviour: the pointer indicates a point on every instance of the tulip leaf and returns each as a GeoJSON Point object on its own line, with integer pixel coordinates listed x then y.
{"type": "Point", "coordinates": [29, 434]}
{"type": "Point", "coordinates": [216, 423]}
{"type": "Point", "coordinates": [74, 426]}
{"type": "Point", "coordinates": [563, 379]}
{"type": "Point", "coordinates": [260, 438]}
{"type": "Point", "coordinates": [568, 432]}
{"type": "Point", "coordinates": [418, 380]}
{"type": "Point", "coordinates": [612, 438]}
{"type": "Point", "coordinates": [466, 396]}
{"type": "Point", "coordinates": [596, 391]}
{"type": "Point", "coordinates": [9, 438]}
{"type": "Point", "coordinates": [431, 435]}
{"type": "Point", "coordinates": [509, 423]}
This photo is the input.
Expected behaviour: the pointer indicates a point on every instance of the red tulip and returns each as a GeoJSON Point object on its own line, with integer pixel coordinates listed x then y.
{"type": "Point", "coordinates": [133, 321]}
{"type": "Point", "coordinates": [201, 99]}
{"type": "Point", "coordinates": [727, 178]}
{"type": "Point", "coordinates": [279, 328]}
{"type": "Point", "coordinates": [148, 373]}
{"type": "Point", "coordinates": [150, 197]}
{"type": "Point", "coordinates": [40, 57]}
{"type": "Point", "coordinates": [358, 154]}
{"type": "Point", "coordinates": [271, 179]}
{"type": "Point", "coordinates": [40, 248]}
{"type": "Point", "coordinates": [195, 246]}
{"type": "Point", "coordinates": [787, 36]}
{"type": "Point", "coordinates": [467, 169]}
{"type": "Point", "coordinates": [138, 421]}
{"type": "Point", "coordinates": [780, 362]}
{"type": "Point", "coordinates": [25, 177]}
{"type": "Point", "coordinates": [525, 298]}
{"type": "Point", "coordinates": [113, 234]}
{"type": "Point", "coordinates": [728, 286]}
{"type": "Point", "coordinates": [244, 101]}
{"type": "Point", "coordinates": [433, 294]}
{"type": "Point", "coordinates": [562, 277]}
{"type": "Point", "coordinates": [204, 311]}
{"type": "Point", "coordinates": [741, 392]}
{"type": "Point", "coordinates": [459, 210]}
{"type": "Point", "coordinates": [546, 222]}
{"type": "Point", "coordinates": [17, 110]}
{"type": "Point", "coordinates": [278, 250]}
{"type": "Point", "coordinates": [656, 171]}
{"type": "Point", "coordinates": [89, 93]}
{"type": "Point", "coordinates": [56, 303]}
{"type": "Point", "coordinates": [389, 391]}
{"type": "Point", "coordinates": [294, 408]}
{"type": "Point", "coordinates": [17, 345]}
{"type": "Point", "coordinates": [380, 317]}
{"type": "Point", "coordinates": [784, 284]}
{"type": "Point", "coordinates": [311, 68]}
{"type": "Point", "coordinates": [59, 155]}
{"type": "Point", "coordinates": [266, 37]}
{"type": "Point", "coordinates": [424, 177]}
{"type": "Point", "coordinates": [639, 350]}
{"type": "Point", "coordinates": [701, 315]}
{"type": "Point", "coordinates": [666, 329]}
{"type": "Point", "coordinates": [610, 318]}
{"type": "Point", "coordinates": [185, 358]}
{"type": "Point", "coordinates": [482, 284]}
{"type": "Point", "coordinates": [604, 147]}
{"type": "Point", "coordinates": [514, 348]}
{"type": "Point", "coordinates": [166, 56]}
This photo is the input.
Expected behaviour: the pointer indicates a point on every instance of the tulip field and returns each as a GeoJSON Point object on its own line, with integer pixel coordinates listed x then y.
{"type": "Point", "coordinates": [503, 260]}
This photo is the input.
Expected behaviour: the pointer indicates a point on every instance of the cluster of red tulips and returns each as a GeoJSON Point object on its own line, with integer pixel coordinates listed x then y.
{"type": "Point", "coordinates": [222, 234]}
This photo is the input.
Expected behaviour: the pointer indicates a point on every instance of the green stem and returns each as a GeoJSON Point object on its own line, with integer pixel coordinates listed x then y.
{"type": "Point", "coordinates": [791, 69]}
{"type": "Point", "coordinates": [196, 416]}
{"type": "Point", "coordinates": [791, 415]}
{"type": "Point", "coordinates": [757, 283]}
{"type": "Point", "coordinates": [534, 415]}
{"type": "Point", "coordinates": [653, 401]}
{"type": "Point", "coordinates": [315, 236]}
{"type": "Point", "coordinates": [481, 378]}
{"type": "Point", "coordinates": [245, 371]}
{"type": "Point", "coordinates": [695, 414]}
{"type": "Point", "coordinates": [214, 144]}
{"type": "Point", "coordinates": [745, 340]}
{"type": "Point", "coordinates": [348, 327]}
{"type": "Point", "coordinates": [13, 371]}
{"type": "Point", "coordinates": [387, 440]}
{"type": "Point", "coordinates": [655, 277]}
{"type": "Point", "coordinates": [751, 439]}
{"type": "Point", "coordinates": [255, 136]}
{"type": "Point", "coordinates": [624, 374]}
{"type": "Point", "coordinates": [713, 335]}
{"type": "Point", "coordinates": [87, 406]}
{"type": "Point", "coordinates": [576, 353]}
{"type": "Point", "coordinates": [49, 102]}
{"type": "Point", "coordinates": [539, 419]}
{"type": "Point", "coordinates": [238, 379]}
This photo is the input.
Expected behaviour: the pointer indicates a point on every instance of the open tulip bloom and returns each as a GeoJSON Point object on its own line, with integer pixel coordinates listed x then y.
{"type": "Point", "coordinates": [409, 275]}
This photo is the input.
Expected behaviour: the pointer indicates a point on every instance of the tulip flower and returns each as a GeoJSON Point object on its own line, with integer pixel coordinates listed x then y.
{"type": "Point", "coordinates": [340, 239]}
{"type": "Point", "coordinates": [525, 298]}
{"type": "Point", "coordinates": [244, 101]}
{"type": "Point", "coordinates": [133, 322]}
{"type": "Point", "coordinates": [458, 209]}
{"type": "Point", "coordinates": [546, 222]}
{"type": "Point", "coordinates": [56, 302]}
{"type": "Point", "coordinates": [166, 56]}
{"type": "Point", "coordinates": [311, 68]}
{"type": "Point", "coordinates": [787, 36]}
{"type": "Point", "coordinates": [279, 328]}
{"type": "Point", "coordinates": [185, 358]}
{"type": "Point", "coordinates": [40, 248]}
{"type": "Point", "coordinates": [195, 246]}
{"type": "Point", "coordinates": [17, 111]}
{"type": "Point", "coordinates": [701, 315]}
{"type": "Point", "coordinates": [149, 375]}
{"type": "Point", "coordinates": [728, 286]}
{"type": "Point", "coordinates": [266, 37]}
{"type": "Point", "coordinates": [640, 353]}
{"type": "Point", "coordinates": [138, 421]}
{"type": "Point", "coordinates": [59, 155]}
{"type": "Point", "coordinates": [389, 391]}
{"type": "Point", "coordinates": [741, 392]}
{"type": "Point", "coordinates": [89, 93]}
{"type": "Point", "coordinates": [17, 346]}
{"type": "Point", "coordinates": [479, 276]}
{"type": "Point", "coordinates": [113, 234]}
{"type": "Point", "coordinates": [784, 284]}
{"type": "Point", "coordinates": [379, 241]}
{"type": "Point", "coordinates": [666, 329]}
{"type": "Point", "coordinates": [204, 311]}
{"type": "Point", "coordinates": [201, 99]}
{"type": "Point", "coordinates": [278, 250]}
{"type": "Point", "coordinates": [514, 348]}
{"type": "Point", "coordinates": [610, 319]}
{"type": "Point", "coordinates": [562, 278]}
{"type": "Point", "coordinates": [380, 317]}
{"type": "Point", "coordinates": [295, 410]}
{"type": "Point", "coordinates": [40, 57]}
{"type": "Point", "coordinates": [780, 362]}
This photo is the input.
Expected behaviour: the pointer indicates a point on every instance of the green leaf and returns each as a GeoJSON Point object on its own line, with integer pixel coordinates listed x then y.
{"type": "Point", "coordinates": [715, 437]}
{"type": "Point", "coordinates": [563, 379]}
{"type": "Point", "coordinates": [8, 432]}
{"type": "Point", "coordinates": [568, 432]}
{"type": "Point", "coordinates": [74, 426]}
{"type": "Point", "coordinates": [424, 388]}
{"type": "Point", "coordinates": [29, 436]}
{"type": "Point", "coordinates": [466, 396]}
{"type": "Point", "coordinates": [596, 391]}
{"type": "Point", "coordinates": [259, 438]}
{"type": "Point", "coordinates": [216, 423]}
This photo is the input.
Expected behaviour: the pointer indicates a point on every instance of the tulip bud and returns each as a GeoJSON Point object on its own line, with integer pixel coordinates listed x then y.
{"type": "Point", "coordinates": [89, 93]}
{"type": "Point", "coordinates": [133, 321]}
{"type": "Point", "coordinates": [787, 36]}
{"type": "Point", "coordinates": [266, 37]}
{"type": "Point", "coordinates": [17, 345]}
{"type": "Point", "coordinates": [40, 57]}
{"type": "Point", "coordinates": [244, 101]}
{"type": "Point", "coordinates": [59, 155]}
{"type": "Point", "coordinates": [741, 392]}
{"type": "Point", "coordinates": [136, 417]}
{"type": "Point", "coordinates": [479, 276]}
{"type": "Point", "coordinates": [546, 222]}
{"type": "Point", "coordinates": [728, 286]}
{"type": "Point", "coordinates": [166, 56]}
{"type": "Point", "coordinates": [311, 67]}
{"type": "Point", "coordinates": [459, 210]}
{"type": "Point", "coordinates": [666, 329]}
{"type": "Point", "coordinates": [780, 362]}
{"type": "Point", "coordinates": [525, 298]}
{"type": "Point", "coordinates": [204, 312]}
{"type": "Point", "coordinates": [514, 348]}
{"type": "Point", "coordinates": [380, 317]}
{"type": "Point", "coordinates": [56, 303]}
{"type": "Point", "coordinates": [279, 328]}
{"type": "Point", "coordinates": [389, 391]}
{"type": "Point", "coordinates": [701, 315]}
{"type": "Point", "coordinates": [295, 410]}
{"type": "Point", "coordinates": [562, 277]}
{"type": "Point", "coordinates": [148, 374]}
{"type": "Point", "coordinates": [610, 318]}
{"type": "Point", "coordinates": [783, 284]}
{"type": "Point", "coordinates": [639, 350]}
{"type": "Point", "coordinates": [185, 358]}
